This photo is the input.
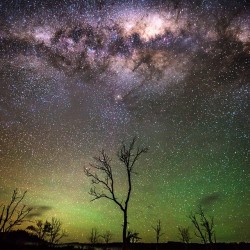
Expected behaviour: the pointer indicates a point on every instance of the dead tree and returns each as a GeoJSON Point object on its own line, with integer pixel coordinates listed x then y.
{"type": "Point", "coordinates": [133, 237]}
{"type": "Point", "coordinates": [41, 229]}
{"type": "Point", "coordinates": [13, 214]}
{"type": "Point", "coordinates": [93, 238]}
{"type": "Point", "coordinates": [49, 231]}
{"type": "Point", "coordinates": [107, 236]}
{"type": "Point", "coordinates": [158, 231]}
{"type": "Point", "coordinates": [204, 226]}
{"type": "Point", "coordinates": [56, 233]}
{"type": "Point", "coordinates": [102, 175]}
{"type": "Point", "coordinates": [184, 234]}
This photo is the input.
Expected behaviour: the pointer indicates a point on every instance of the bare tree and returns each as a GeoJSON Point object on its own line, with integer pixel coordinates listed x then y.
{"type": "Point", "coordinates": [107, 236]}
{"type": "Point", "coordinates": [133, 237]}
{"type": "Point", "coordinates": [13, 214]}
{"type": "Point", "coordinates": [103, 176]}
{"type": "Point", "coordinates": [158, 231]}
{"type": "Point", "coordinates": [204, 226]}
{"type": "Point", "coordinates": [41, 229]}
{"type": "Point", "coordinates": [50, 231]}
{"type": "Point", "coordinates": [184, 234]}
{"type": "Point", "coordinates": [56, 233]}
{"type": "Point", "coordinates": [94, 236]}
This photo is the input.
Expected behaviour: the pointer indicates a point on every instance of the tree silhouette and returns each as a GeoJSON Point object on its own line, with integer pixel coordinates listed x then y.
{"type": "Point", "coordinates": [204, 226]}
{"type": "Point", "coordinates": [158, 231]}
{"type": "Point", "coordinates": [56, 233]}
{"type": "Point", "coordinates": [103, 176]}
{"type": "Point", "coordinates": [13, 214]}
{"type": "Point", "coordinates": [50, 231]}
{"type": "Point", "coordinates": [133, 237]}
{"type": "Point", "coordinates": [107, 236]}
{"type": "Point", "coordinates": [93, 238]}
{"type": "Point", "coordinates": [41, 229]}
{"type": "Point", "coordinates": [184, 234]}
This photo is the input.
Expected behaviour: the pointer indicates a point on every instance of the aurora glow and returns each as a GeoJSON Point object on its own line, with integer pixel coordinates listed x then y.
{"type": "Point", "coordinates": [78, 77]}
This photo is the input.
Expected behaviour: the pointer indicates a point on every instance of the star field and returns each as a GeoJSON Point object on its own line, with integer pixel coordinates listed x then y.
{"type": "Point", "coordinates": [80, 76]}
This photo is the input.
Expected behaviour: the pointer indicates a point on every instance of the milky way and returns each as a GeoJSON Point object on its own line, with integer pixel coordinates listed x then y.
{"type": "Point", "coordinates": [76, 77]}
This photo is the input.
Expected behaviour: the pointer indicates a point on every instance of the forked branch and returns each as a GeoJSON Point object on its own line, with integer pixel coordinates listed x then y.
{"type": "Point", "coordinates": [13, 214]}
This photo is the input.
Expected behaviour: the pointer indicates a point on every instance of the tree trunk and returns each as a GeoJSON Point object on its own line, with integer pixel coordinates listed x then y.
{"type": "Point", "coordinates": [124, 232]}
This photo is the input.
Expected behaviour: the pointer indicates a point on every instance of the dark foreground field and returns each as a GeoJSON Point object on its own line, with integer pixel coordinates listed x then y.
{"type": "Point", "coordinates": [21, 240]}
{"type": "Point", "coordinates": [136, 246]}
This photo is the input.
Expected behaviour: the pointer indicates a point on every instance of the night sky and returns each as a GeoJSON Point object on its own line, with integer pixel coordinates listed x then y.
{"type": "Point", "coordinates": [77, 77]}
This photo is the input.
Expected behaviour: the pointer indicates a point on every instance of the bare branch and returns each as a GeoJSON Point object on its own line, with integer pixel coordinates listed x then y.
{"type": "Point", "coordinates": [158, 230]}
{"type": "Point", "coordinates": [50, 231]}
{"type": "Point", "coordinates": [101, 175]}
{"type": "Point", "coordinates": [184, 234]}
{"type": "Point", "coordinates": [94, 236]}
{"type": "Point", "coordinates": [11, 215]}
{"type": "Point", "coordinates": [107, 236]}
{"type": "Point", "coordinates": [204, 226]}
{"type": "Point", "coordinates": [56, 233]}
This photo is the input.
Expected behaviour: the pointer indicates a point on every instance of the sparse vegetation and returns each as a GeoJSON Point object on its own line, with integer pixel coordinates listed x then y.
{"type": "Point", "coordinates": [107, 236]}
{"type": "Point", "coordinates": [49, 231]}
